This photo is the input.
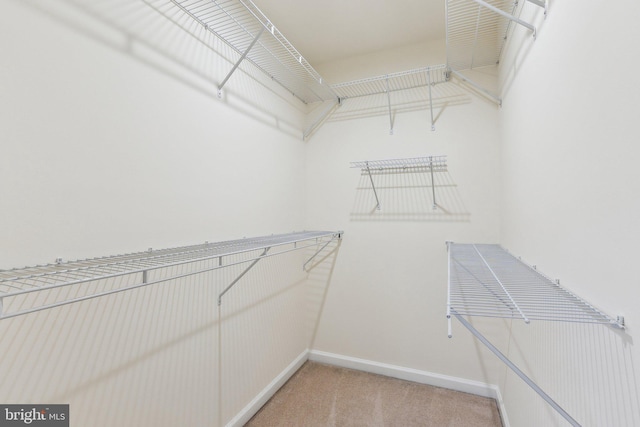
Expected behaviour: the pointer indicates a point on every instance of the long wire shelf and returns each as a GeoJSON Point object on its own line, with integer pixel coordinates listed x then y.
{"type": "Point", "coordinates": [426, 77]}
{"type": "Point", "coordinates": [244, 28]}
{"type": "Point", "coordinates": [486, 280]}
{"type": "Point", "coordinates": [151, 267]}
{"type": "Point", "coordinates": [404, 80]}
{"type": "Point", "coordinates": [438, 163]}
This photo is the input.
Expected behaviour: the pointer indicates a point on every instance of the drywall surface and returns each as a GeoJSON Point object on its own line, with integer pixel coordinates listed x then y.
{"type": "Point", "coordinates": [386, 301]}
{"type": "Point", "coordinates": [114, 140]}
{"type": "Point", "coordinates": [570, 190]}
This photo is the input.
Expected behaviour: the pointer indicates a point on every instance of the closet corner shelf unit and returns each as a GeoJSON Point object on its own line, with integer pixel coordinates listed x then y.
{"type": "Point", "coordinates": [485, 280]}
{"type": "Point", "coordinates": [477, 32]}
{"type": "Point", "coordinates": [430, 164]}
{"type": "Point", "coordinates": [395, 82]}
{"type": "Point", "coordinates": [32, 286]}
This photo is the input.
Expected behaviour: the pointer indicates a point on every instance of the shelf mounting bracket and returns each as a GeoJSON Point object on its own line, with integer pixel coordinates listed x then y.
{"type": "Point", "coordinates": [246, 270]}
{"type": "Point", "coordinates": [390, 115]}
{"type": "Point", "coordinates": [433, 183]}
{"type": "Point", "coordinates": [433, 125]}
{"type": "Point", "coordinates": [237, 64]}
{"type": "Point", "coordinates": [375, 193]}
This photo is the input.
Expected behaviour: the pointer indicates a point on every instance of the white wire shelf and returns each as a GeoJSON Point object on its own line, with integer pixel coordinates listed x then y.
{"type": "Point", "coordinates": [403, 80]}
{"type": "Point", "coordinates": [243, 27]}
{"type": "Point", "coordinates": [485, 280]}
{"type": "Point", "coordinates": [430, 165]}
{"type": "Point", "coordinates": [28, 282]}
{"type": "Point", "coordinates": [387, 84]}
{"type": "Point", "coordinates": [438, 163]}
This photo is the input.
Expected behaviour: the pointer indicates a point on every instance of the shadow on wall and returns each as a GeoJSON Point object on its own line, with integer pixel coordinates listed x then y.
{"type": "Point", "coordinates": [167, 354]}
{"type": "Point", "coordinates": [158, 35]}
{"type": "Point", "coordinates": [586, 368]}
{"type": "Point", "coordinates": [408, 196]}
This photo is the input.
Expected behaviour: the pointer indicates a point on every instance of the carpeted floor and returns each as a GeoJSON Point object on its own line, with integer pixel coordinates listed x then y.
{"type": "Point", "coordinates": [322, 395]}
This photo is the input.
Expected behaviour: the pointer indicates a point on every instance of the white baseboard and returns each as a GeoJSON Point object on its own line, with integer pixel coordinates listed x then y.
{"type": "Point", "coordinates": [254, 406]}
{"type": "Point", "coordinates": [415, 375]}
{"type": "Point", "coordinates": [394, 371]}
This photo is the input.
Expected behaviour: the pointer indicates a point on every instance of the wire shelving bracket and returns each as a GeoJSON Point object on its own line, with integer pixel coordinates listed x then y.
{"type": "Point", "coordinates": [430, 164]}
{"type": "Point", "coordinates": [485, 280]}
{"type": "Point", "coordinates": [244, 28]}
{"type": "Point", "coordinates": [34, 284]}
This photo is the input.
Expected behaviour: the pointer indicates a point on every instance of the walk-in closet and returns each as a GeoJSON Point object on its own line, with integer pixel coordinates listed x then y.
{"type": "Point", "coordinates": [300, 213]}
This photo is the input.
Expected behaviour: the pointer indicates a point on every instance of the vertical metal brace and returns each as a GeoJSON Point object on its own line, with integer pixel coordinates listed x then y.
{"type": "Point", "coordinates": [507, 15]}
{"type": "Point", "coordinates": [517, 370]}
{"type": "Point", "coordinates": [145, 276]}
{"type": "Point", "coordinates": [390, 116]}
{"type": "Point", "coordinates": [433, 183]}
{"type": "Point", "coordinates": [237, 279]}
{"type": "Point", "coordinates": [237, 64]}
{"type": "Point", "coordinates": [375, 193]}
{"type": "Point", "coordinates": [449, 333]}
{"type": "Point", "coordinates": [433, 126]}
{"type": "Point", "coordinates": [304, 266]}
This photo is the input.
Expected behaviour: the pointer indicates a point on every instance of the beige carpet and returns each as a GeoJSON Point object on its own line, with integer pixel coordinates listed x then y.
{"type": "Point", "coordinates": [321, 395]}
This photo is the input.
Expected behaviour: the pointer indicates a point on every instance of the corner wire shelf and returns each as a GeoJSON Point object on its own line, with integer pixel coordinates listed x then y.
{"type": "Point", "coordinates": [477, 31]}
{"type": "Point", "coordinates": [431, 165]}
{"type": "Point", "coordinates": [41, 279]}
{"type": "Point", "coordinates": [485, 280]}
{"type": "Point", "coordinates": [389, 83]}
{"type": "Point", "coordinates": [244, 28]}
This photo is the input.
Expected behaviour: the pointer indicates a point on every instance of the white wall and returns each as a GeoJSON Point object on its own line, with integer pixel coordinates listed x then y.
{"type": "Point", "coordinates": [570, 184]}
{"type": "Point", "coordinates": [113, 141]}
{"type": "Point", "coordinates": [387, 297]}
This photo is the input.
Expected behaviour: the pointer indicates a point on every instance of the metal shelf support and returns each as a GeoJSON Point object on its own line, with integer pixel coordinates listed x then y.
{"type": "Point", "coordinates": [246, 270]}
{"type": "Point", "coordinates": [433, 126]}
{"type": "Point", "coordinates": [389, 103]}
{"type": "Point", "coordinates": [237, 64]}
{"type": "Point", "coordinates": [373, 185]}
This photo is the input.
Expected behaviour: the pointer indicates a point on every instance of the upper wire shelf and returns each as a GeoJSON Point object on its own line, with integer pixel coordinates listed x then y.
{"type": "Point", "coordinates": [30, 281]}
{"type": "Point", "coordinates": [485, 280]}
{"type": "Point", "coordinates": [410, 79]}
{"type": "Point", "coordinates": [439, 163]}
{"type": "Point", "coordinates": [243, 27]}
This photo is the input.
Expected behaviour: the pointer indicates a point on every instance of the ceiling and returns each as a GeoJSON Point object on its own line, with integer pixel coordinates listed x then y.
{"type": "Point", "coordinates": [329, 30]}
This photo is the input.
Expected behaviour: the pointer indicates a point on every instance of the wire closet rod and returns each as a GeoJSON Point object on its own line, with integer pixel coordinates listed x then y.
{"type": "Point", "coordinates": [42, 278]}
